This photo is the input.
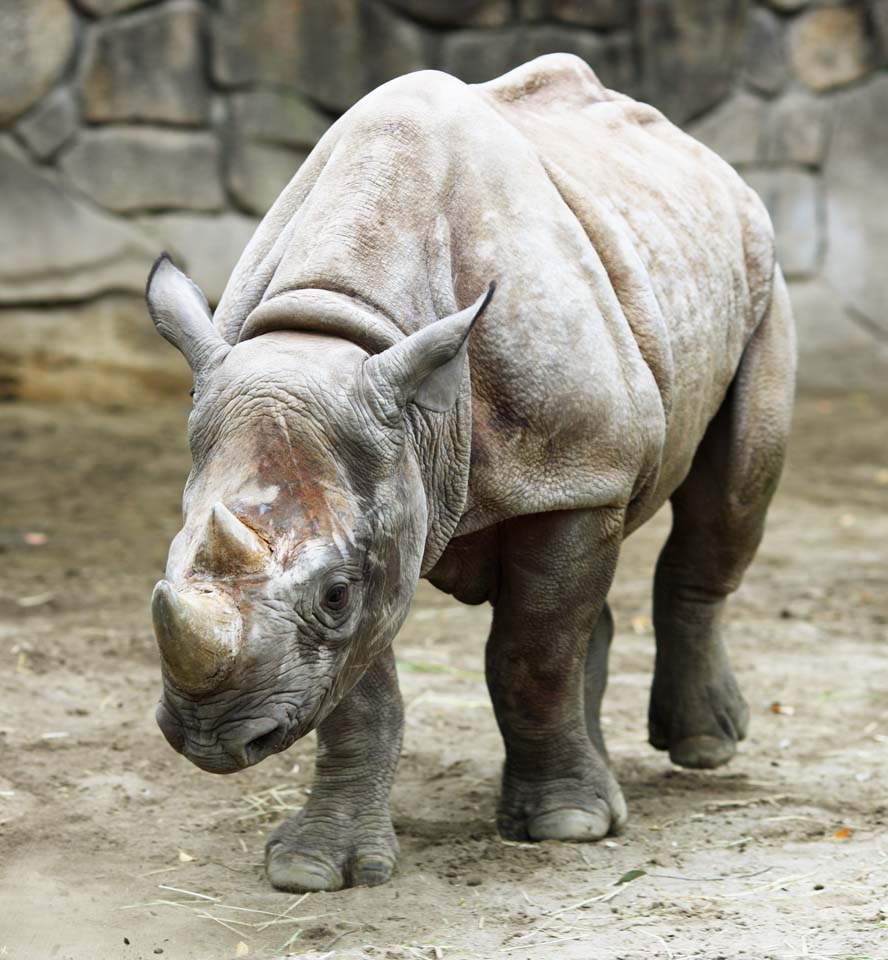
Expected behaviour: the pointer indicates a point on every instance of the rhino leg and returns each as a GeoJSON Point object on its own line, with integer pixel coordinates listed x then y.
{"type": "Point", "coordinates": [596, 677]}
{"type": "Point", "coordinates": [344, 835]}
{"type": "Point", "coordinates": [696, 710]}
{"type": "Point", "coordinates": [555, 571]}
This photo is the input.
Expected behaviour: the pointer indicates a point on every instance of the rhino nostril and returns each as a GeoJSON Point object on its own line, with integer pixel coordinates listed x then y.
{"type": "Point", "coordinates": [254, 740]}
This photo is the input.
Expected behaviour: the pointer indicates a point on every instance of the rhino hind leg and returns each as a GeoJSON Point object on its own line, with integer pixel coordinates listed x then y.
{"type": "Point", "coordinates": [697, 712]}
{"type": "Point", "coordinates": [555, 571]}
{"type": "Point", "coordinates": [344, 835]}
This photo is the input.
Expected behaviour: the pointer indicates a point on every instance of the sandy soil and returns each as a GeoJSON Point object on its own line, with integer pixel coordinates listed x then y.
{"type": "Point", "coordinates": [783, 854]}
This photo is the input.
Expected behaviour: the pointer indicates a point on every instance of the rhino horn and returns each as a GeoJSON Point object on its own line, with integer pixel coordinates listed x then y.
{"type": "Point", "coordinates": [425, 368]}
{"type": "Point", "coordinates": [229, 547]}
{"type": "Point", "coordinates": [198, 634]}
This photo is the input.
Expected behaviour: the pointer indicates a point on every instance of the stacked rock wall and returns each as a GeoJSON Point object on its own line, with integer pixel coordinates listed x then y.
{"type": "Point", "coordinates": [129, 126]}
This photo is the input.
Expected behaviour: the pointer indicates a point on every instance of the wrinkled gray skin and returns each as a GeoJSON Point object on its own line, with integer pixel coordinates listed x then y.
{"type": "Point", "coordinates": [349, 437]}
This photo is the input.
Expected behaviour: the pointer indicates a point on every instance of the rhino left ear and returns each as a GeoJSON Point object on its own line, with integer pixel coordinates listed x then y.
{"type": "Point", "coordinates": [182, 316]}
{"type": "Point", "coordinates": [425, 368]}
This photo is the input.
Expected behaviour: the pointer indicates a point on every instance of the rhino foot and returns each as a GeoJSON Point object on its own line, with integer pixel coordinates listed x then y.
{"type": "Point", "coordinates": [309, 854]}
{"type": "Point", "coordinates": [579, 810]}
{"type": "Point", "coordinates": [698, 719]}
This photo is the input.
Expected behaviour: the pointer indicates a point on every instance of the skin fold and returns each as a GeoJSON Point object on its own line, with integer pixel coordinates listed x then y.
{"type": "Point", "coordinates": [369, 411]}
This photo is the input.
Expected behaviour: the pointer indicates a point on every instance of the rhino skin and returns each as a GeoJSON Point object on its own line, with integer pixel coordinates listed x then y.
{"type": "Point", "coordinates": [347, 441]}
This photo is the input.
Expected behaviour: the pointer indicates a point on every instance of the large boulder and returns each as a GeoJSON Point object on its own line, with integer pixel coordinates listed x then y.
{"type": "Point", "coordinates": [333, 52]}
{"type": "Point", "coordinates": [857, 198]}
{"type": "Point", "coordinates": [600, 15]}
{"type": "Point", "coordinates": [733, 129]}
{"type": "Point", "coordinates": [256, 172]}
{"type": "Point", "coordinates": [105, 8]}
{"type": "Point", "coordinates": [104, 352]}
{"type": "Point", "coordinates": [276, 116]}
{"type": "Point", "coordinates": [136, 168]}
{"type": "Point", "coordinates": [147, 66]}
{"type": "Point", "coordinates": [50, 124]}
{"type": "Point", "coordinates": [36, 41]}
{"type": "Point", "coordinates": [831, 46]}
{"type": "Point", "coordinates": [479, 55]}
{"type": "Point", "coordinates": [793, 201]}
{"type": "Point", "coordinates": [206, 246]}
{"type": "Point", "coordinates": [796, 130]}
{"type": "Point", "coordinates": [55, 246]}
{"type": "Point", "coordinates": [271, 133]}
{"type": "Point", "coordinates": [463, 13]}
{"type": "Point", "coordinates": [835, 351]}
{"type": "Point", "coordinates": [765, 63]}
{"type": "Point", "coordinates": [878, 12]}
{"type": "Point", "coordinates": [689, 53]}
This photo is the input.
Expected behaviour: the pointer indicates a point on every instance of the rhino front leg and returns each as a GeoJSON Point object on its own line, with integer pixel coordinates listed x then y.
{"type": "Point", "coordinates": [596, 676]}
{"type": "Point", "coordinates": [344, 835]}
{"type": "Point", "coordinates": [696, 710]}
{"type": "Point", "coordinates": [556, 569]}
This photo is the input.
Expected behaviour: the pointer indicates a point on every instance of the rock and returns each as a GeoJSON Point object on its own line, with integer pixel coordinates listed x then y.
{"type": "Point", "coordinates": [288, 43]}
{"type": "Point", "coordinates": [689, 52]}
{"type": "Point", "coordinates": [462, 13]}
{"type": "Point", "coordinates": [793, 201]}
{"type": "Point", "coordinates": [835, 351]}
{"type": "Point", "coordinates": [50, 124]}
{"type": "Point", "coordinates": [147, 66]}
{"type": "Point", "coordinates": [733, 130]}
{"type": "Point", "coordinates": [274, 116]}
{"type": "Point", "coordinates": [206, 247]}
{"type": "Point", "coordinates": [135, 168]}
{"type": "Point", "coordinates": [612, 56]}
{"type": "Point", "coordinates": [788, 6]}
{"type": "Point", "coordinates": [57, 247]}
{"type": "Point", "coordinates": [878, 14]}
{"type": "Point", "coordinates": [765, 64]}
{"type": "Point", "coordinates": [36, 41]}
{"type": "Point", "coordinates": [479, 55]}
{"type": "Point", "coordinates": [830, 47]}
{"type": "Point", "coordinates": [103, 8]}
{"type": "Point", "coordinates": [104, 352]}
{"type": "Point", "coordinates": [857, 198]}
{"type": "Point", "coordinates": [601, 15]}
{"type": "Point", "coordinates": [257, 173]}
{"type": "Point", "coordinates": [796, 130]}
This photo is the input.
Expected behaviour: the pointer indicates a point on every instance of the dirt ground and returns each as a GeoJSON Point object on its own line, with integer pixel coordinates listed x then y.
{"type": "Point", "coordinates": [112, 846]}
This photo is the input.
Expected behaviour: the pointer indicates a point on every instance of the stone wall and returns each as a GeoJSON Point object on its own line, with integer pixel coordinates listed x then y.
{"type": "Point", "coordinates": [128, 126]}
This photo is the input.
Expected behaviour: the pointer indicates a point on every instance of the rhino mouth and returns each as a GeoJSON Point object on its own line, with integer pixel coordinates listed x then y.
{"type": "Point", "coordinates": [238, 744]}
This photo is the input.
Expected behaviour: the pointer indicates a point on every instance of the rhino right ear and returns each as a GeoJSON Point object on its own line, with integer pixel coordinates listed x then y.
{"type": "Point", "coordinates": [182, 316]}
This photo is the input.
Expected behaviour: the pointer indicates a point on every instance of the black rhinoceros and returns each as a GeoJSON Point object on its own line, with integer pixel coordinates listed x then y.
{"type": "Point", "coordinates": [350, 436]}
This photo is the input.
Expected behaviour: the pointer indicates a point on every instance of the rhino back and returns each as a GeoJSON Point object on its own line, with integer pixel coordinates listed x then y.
{"type": "Point", "coordinates": [632, 266]}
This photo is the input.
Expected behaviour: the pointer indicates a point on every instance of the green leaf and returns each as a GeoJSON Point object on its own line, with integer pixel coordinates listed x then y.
{"type": "Point", "coordinates": [630, 876]}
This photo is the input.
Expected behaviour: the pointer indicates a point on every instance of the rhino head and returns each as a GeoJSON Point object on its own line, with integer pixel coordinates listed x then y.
{"type": "Point", "coordinates": [305, 522]}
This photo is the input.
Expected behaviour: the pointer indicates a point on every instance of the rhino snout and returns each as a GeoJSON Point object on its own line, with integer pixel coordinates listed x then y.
{"type": "Point", "coordinates": [239, 744]}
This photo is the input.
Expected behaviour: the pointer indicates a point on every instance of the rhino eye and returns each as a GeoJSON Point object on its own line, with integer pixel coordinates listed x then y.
{"type": "Point", "coordinates": [336, 597]}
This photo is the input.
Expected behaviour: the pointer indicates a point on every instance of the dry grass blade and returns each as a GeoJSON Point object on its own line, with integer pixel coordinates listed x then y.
{"type": "Point", "coordinates": [218, 920]}
{"type": "Point", "coordinates": [286, 912]}
{"type": "Point", "coordinates": [538, 946]}
{"type": "Point", "coordinates": [190, 893]}
{"type": "Point", "coordinates": [266, 803]}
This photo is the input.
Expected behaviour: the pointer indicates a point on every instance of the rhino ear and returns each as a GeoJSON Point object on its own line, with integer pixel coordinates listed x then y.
{"type": "Point", "coordinates": [182, 315]}
{"type": "Point", "coordinates": [425, 368]}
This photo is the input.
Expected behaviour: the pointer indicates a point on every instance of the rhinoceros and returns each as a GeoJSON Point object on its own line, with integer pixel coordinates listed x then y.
{"type": "Point", "coordinates": [368, 412]}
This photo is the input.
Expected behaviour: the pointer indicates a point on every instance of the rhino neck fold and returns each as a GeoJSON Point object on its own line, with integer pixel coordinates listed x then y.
{"type": "Point", "coordinates": [312, 310]}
